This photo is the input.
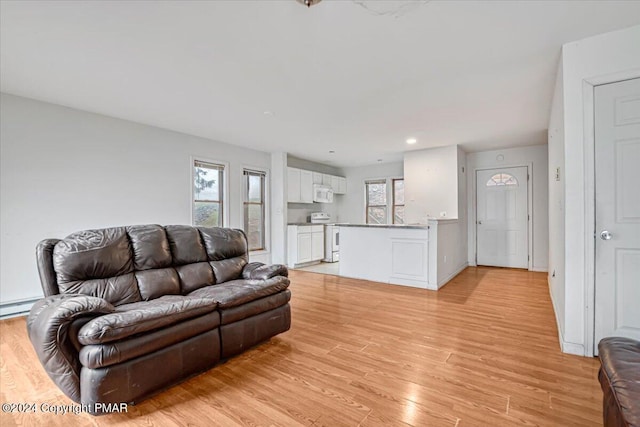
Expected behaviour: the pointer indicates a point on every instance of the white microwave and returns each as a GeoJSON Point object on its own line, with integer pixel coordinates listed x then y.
{"type": "Point", "coordinates": [322, 193]}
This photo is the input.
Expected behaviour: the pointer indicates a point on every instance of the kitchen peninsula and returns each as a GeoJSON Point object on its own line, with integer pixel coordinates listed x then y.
{"type": "Point", "coordinates": [421, 255]}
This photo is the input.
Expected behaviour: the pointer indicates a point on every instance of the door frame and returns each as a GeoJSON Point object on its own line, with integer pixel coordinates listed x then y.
{"type": "Point", "coordinates": [474, 217]}
{"type": "Point", "coordinates": [589, 131]}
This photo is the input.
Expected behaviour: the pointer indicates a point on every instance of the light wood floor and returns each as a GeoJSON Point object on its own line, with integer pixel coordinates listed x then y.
{"type": "Point", "coordinates": [482, 351]}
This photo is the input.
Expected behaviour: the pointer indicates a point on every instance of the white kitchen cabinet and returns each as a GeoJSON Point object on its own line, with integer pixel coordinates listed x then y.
{"type": "Point", "coordinates": [305, 244]}
{"type": "Point", "coordinates": [335, 184]}
{"type": "Point", "coordinates": [305, 248]}
{"type": "Point", "coordinates": [293, 185]}
{"type": "Point", "coordinates": [299, 186]}
{"type": "Point", "coordinates": [342, 185]}
{"type": "Point", "coordinates": [306, 186]}
{"type": "Point", "coordinates": [301, 182]}
{"type": "Point", "coordinates": [317, 245]}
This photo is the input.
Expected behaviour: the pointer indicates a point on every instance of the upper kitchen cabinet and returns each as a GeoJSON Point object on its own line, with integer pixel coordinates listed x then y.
{"type": "Point", "coordinates": [299, 186]}
{"type": "Point", "coordinates": [337, 183]}
{"type": "Point", "coordinates": [293, 185]}
{"type": "Point", "coordinates": [306, 186]}
{"type": "Point", "coordinates": [301, 182]}
{"type": "Point", "coordinates": [342, 185]}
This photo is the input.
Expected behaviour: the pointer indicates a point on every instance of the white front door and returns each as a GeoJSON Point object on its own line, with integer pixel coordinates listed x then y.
{"type": "Point", "coordinates": [501, 217]}
{"type": "Point", "coordinates": [617, 201]}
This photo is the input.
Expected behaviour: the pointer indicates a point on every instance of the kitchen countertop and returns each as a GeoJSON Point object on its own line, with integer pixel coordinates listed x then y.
{"type": "Point", "coordinates": [303, 223]}
{"type": "Point", "coordinates": [399, 226]}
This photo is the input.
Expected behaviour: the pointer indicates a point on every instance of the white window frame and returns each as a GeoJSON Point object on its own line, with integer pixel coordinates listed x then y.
{"type": "Point", "coordinates": [267, 216]}
{"type": "Point", "coordinates": [225, 187]}
{"type": "Point", "coordinates": [389, 184]}
{"type": "Point", "coordinates": [393, 200]}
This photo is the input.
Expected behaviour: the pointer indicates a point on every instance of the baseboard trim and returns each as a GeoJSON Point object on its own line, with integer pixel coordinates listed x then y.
{"type": "Point", "coordinates": [573, 348]}
{"type": "Point", "coordinates": [452, 275]}
{"type": "Point", "coordinates": [540, 269]}
{"type": "Point", "coordinates": [565, 346]}
{"type": "Point", "coordinates": [555, 313]}
{"type": "Point", "coordinates": [16, 308]}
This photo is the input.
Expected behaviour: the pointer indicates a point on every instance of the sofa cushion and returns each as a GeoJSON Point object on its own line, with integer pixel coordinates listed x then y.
{"type": "Point", "coordinates": [186, 245]}
{"type": "Point", "coordinates": [107, 354]}
{"type": "Point", "coordinates": [228, 269]}
{"type": "Point", "coordinates": [158, 282]}
{"type": "Point", "coordinates": [620, 380]}
{"type": "Point", "coordinates": [237, 292]}
{"type": "Point", "coordinates": [150, 247]}
{"type": "Point", "coordinates": [226, 250]}
{"type": "Point", "coordinates": [195, 276]}
{"type": "Point", "coordinates": [117, 290]}
{"type": "Point", "coordinates": [234, 314]}
{"type": "Point", "coordinates": [223, 243]}
{"type": "Point", "coordinates": [97, 263]}
{"type": "Point", "coordinates": [131, 319]}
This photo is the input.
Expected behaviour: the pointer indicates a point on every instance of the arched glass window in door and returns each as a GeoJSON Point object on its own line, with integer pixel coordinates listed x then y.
{"type": "Point", "coordinates": [502, 179]}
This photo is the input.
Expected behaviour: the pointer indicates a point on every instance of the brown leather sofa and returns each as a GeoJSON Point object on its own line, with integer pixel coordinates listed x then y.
{"type": "Point", "coordinates": [129, 311]}
{"type": "Point", "coordinates": [620, 380]}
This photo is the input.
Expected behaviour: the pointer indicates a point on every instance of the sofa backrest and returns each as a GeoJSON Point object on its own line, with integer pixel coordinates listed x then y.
{"type": "Point", "coordinates": [141, 262]}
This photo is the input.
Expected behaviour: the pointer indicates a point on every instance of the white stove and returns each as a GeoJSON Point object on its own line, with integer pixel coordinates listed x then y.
{"type": "Point", "coordinates": [331, 236]}
{"type": "Point", "coordinates": [331, 243]}
{"type": "Point", "coordinates": [320, 218]}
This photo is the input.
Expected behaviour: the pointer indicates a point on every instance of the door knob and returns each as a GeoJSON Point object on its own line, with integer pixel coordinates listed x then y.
{"type": "Point", "coordinates": [605, 235]}
{"type": "Point", "coordinates": [479, 222]}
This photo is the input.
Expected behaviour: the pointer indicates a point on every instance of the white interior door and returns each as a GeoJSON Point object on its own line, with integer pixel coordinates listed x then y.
{"type": "Point", "coordinates": [501, 217]}
{"type": "Point", "coordinates": [617, 170]}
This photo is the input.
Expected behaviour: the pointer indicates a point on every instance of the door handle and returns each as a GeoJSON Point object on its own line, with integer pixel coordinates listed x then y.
{"type": "Point", "coordinates": [479, 222]}
{"type": "Point", "coordinates": [605, 235]}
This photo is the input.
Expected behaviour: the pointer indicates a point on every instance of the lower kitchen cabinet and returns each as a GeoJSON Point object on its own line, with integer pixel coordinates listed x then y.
{"type": "Point", "coordinates": [305, 244]}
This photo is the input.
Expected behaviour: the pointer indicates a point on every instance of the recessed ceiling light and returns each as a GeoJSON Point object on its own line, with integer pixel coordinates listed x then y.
{"type": "Point", "coordinates": [379, 160]}
{"type": "Point", "coordinates": [332, 151]}
{"type": "Point", "coordinates": [411, 141]}
{"type": "Point", "coordinates": [268, 113]}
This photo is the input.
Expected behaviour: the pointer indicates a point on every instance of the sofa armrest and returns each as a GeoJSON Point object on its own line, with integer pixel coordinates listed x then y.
{"type": "Point", "coordinates": [48, 326]}
{"type": "Point", "coordinates": [260, 271]}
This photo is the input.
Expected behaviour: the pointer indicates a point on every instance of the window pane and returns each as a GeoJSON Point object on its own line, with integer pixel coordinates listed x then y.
{"type": "Point", "coordinates": [398, 215]}
{"type": "Point", "coordinates": [207, 214]}
{"type": "Point", "coordinates": [377, 194]}
{"type": "Point", "coordinates": [502, 179]}
{"type": "Point", "coordinates": [207, 183]}
{"type": "Point", "coordinates": [254, 228]}
{"type": "Point", "coordinates": [255, 188]}
{"type": "Point", "coordinates": [398, 190]}
{"type": "Point", "coordinates": [376, 215]}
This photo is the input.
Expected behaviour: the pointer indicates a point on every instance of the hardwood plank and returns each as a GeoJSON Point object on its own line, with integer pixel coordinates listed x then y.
{"type": "Point", "coordinates": [481, 351]}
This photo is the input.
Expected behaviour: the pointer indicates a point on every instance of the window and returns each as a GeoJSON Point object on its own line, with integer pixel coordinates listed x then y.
{"type": "Point", "coordinates": [502, 179]}
{"type": "Point", "coordinates": [254, 211]}
{"type": "Point", "coordinates": [376, 201]}
{"type": "Point", "coordinates": [398, 200]}
{"type": "Point", "coordinates": [208, 194]}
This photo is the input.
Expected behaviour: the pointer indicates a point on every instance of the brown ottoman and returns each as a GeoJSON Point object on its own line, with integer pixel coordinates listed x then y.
{"type": "Point", "coordinates": [620, 380]}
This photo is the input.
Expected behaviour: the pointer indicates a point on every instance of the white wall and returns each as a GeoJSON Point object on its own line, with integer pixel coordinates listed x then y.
{"type": "Point", "coordinates": [607, 57]}
{"type": "Point", "coordinates": [521, 156]}
{"type": "Point", "coordinates": [462, 244]}
{"type": "Point", "coordinates": [431, 184]}
{"type": "Point", "coordinates": [64, 170]}
{"type": "Point", "coordinates": [450, 248]}
{"type": "Point", "coordinates": [351, 206]}
{"type": "Point", "coordinates": [556, 202]}
{"type": "Point", "coordinates": [279, 208]}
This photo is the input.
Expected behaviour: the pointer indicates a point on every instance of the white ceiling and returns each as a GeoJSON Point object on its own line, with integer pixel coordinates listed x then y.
{"type": "Point", "coordinates": [337, 76]}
